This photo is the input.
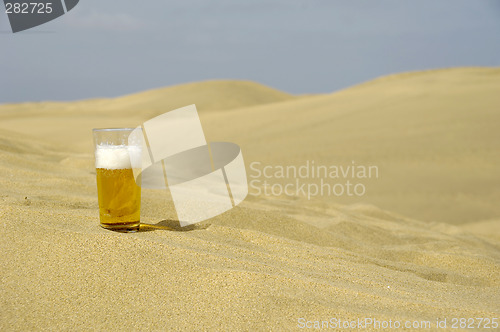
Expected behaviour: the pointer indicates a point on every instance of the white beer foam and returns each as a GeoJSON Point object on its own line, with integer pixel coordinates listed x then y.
{"type": "Point", "coordinates": [117, 157]}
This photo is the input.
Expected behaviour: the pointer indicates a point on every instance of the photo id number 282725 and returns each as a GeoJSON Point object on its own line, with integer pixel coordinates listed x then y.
{"type": "Point", "coordinates": [28, 8]}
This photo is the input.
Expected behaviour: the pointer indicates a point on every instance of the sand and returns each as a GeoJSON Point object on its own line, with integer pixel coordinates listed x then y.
{"type": "Point", "coordinates": [422, 244]}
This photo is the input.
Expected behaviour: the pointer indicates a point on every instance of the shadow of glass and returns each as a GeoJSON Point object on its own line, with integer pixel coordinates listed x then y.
{"type": "Point", "coordinates": [170, 225]}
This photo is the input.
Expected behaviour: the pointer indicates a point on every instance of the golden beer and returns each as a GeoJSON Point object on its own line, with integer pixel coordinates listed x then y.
{"type": "Point", "coordinates": [119, 199]}
{"type": "Point", "coordinates": [117, 158]}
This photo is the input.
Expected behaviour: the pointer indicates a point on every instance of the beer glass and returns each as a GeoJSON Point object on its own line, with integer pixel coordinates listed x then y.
{"type": "Point", "coordinates": [117, 154]}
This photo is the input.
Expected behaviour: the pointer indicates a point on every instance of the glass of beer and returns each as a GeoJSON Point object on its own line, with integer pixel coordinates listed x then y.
{"type": "Point", "coordinates": [117, 159]}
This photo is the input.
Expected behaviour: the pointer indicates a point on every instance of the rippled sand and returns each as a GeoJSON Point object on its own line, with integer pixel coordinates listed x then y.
{"type": "Point", "coordinates": [422, 244]}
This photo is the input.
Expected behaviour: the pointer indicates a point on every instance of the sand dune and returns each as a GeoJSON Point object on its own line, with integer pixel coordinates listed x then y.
{"type": "Point", "coordinates": [272, 260]}
{"type": "Point", "coordinates": [41, 119]}
{"type": "Point", "coordinates": [432, 134]}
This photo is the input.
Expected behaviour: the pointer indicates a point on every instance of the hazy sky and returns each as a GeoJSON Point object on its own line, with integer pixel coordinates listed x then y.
{"type": "Point", "coordinates": [111, 48]}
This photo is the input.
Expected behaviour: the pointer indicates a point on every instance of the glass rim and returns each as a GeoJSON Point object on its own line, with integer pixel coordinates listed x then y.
{"type": "Point", "coordinates": [114, 129]}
